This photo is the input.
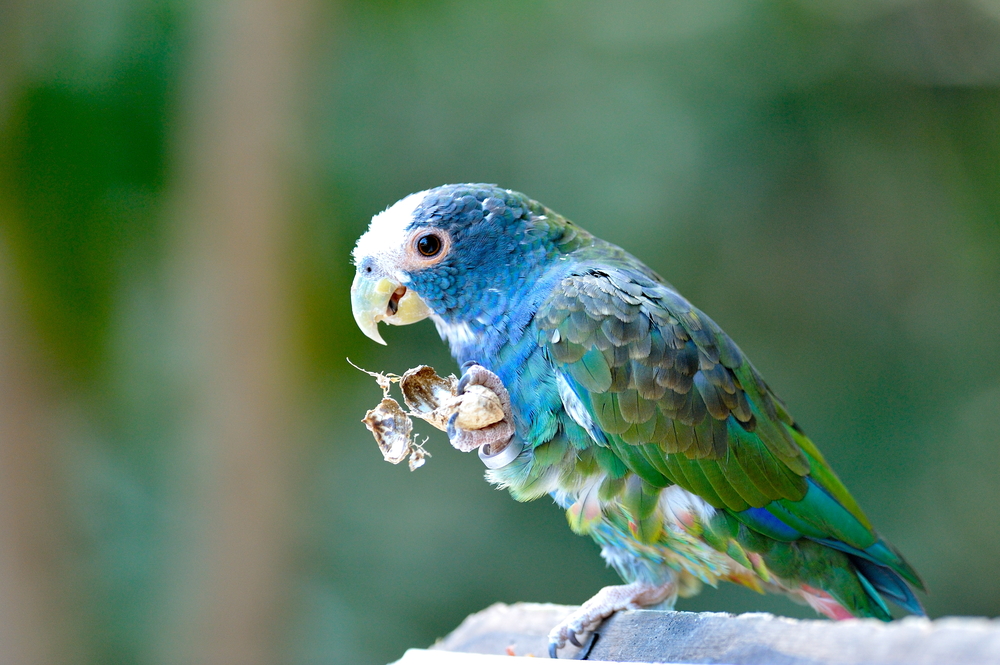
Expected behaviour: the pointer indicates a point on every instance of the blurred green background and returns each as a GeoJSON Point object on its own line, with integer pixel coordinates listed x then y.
{"type": "Point", "coordinates": [183, 473]}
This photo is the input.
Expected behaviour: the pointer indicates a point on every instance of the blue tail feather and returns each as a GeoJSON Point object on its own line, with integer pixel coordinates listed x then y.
{"type": "Point", "coordinates": [889, 584]}
{"type": "Point", "coordinates": [875, 596]}
{"type": "Point", "coordinates": [876, 565]}
{"type": "Point", "coordinates": [881, 554]}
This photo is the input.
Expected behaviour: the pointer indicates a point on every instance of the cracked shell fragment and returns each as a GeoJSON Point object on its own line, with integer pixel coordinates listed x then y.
{"type": "Point", "coordinates": [417, 458]}
{"type": "Point", "coordinates": [425, 393]}
{"type": "Point", "coordinates": [392, 429]}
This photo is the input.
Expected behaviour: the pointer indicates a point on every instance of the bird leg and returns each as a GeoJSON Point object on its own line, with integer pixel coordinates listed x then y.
{"type": "Point", "coordinates": [606, 602]}
{"type": "Point", "coordinates": [495, 437]}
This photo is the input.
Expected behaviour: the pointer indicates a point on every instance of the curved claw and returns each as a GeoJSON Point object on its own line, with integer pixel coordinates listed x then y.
{"type": "Point", "coordinates": [464, 381]}
{"type": "Point", "coordinates": [584, 648]}
{"type": "Point", "coordinates": [572, 638]}
{"type": "Point", "coordinates": [452, 428]}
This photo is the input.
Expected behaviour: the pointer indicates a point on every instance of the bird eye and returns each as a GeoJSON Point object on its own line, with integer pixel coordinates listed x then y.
{"type": "Point", "coordinates": [429, 245]}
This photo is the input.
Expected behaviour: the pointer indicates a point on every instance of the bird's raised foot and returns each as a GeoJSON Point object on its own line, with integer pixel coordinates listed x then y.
{"type": "Point", "coordinates": [494, 438]}
{"type": "Point", "coordinates": [605, 602]}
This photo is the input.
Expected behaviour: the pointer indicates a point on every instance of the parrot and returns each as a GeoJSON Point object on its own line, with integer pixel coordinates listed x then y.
{"type": "Point", "coordinates": [627, 405]}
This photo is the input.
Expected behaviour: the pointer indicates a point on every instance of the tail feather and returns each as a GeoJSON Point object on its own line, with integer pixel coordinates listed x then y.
{"type": "Point", "coordinates": [881, 554]}
{"type": "Point", "coordinates": [887, 583]}
{"type": "Point", "coordinates": [873, 594]}
{"type": "Point", "coordinates": [883, 573]}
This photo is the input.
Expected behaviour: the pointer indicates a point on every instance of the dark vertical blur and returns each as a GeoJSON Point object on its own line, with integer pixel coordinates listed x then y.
{"type": "Point", "coordinates": [183, 473]}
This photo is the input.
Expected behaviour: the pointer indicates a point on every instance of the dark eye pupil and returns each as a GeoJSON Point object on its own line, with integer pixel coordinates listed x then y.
{"type": "Point", "coordinates": [429, 245]}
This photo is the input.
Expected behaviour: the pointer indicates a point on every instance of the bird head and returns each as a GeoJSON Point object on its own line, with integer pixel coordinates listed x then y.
{"type": "Point", "coordinates": [457, 252]}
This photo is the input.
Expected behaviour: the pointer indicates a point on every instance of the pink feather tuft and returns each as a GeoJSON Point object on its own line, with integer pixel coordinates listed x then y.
{"type": "Point", "coordinates": [824, 603]}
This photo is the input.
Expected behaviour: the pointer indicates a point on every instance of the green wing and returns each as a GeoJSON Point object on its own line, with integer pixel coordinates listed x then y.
{"type": "Point", "coordinates": [668, 387]}
{"type": "Point", "coordinates": [675, 399]}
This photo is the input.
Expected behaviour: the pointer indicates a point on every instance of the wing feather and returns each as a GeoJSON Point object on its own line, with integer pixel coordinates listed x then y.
{"type": "Point", "coordinates": [681, 405]}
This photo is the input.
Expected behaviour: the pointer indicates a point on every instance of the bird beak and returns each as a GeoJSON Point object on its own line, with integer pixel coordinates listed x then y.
{"type": "Point", "coordinates": [377, 298]}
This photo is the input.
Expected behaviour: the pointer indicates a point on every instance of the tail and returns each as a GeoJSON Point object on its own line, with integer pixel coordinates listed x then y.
{"type": "Point", "coordinates": [884, 574]}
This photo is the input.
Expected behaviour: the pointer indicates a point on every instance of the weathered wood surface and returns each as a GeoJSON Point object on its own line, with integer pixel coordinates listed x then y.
{"type": "Point", "coordinates": [746, 639]}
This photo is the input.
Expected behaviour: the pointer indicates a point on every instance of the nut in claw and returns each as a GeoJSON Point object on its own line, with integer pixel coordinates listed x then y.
{"type": "Point", "coordinates": [479, 407]}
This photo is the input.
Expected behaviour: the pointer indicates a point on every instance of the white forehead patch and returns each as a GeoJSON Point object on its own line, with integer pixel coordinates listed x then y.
{"type": "Point", "coordinates": [383, 241]}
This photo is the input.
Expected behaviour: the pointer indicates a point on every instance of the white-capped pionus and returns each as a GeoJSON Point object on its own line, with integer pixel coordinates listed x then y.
{"type": "Point", "coordinates": [630, 407]}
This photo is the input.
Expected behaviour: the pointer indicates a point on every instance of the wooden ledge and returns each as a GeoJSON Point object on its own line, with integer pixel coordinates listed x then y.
{"type": "Point", "coordinates": [647, 636]}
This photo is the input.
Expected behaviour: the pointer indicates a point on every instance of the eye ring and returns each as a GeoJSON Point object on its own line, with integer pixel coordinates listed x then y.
{"type": "Point", "coordinates": [426, 247]}
{"type": "Point", "coordinates": [429, 245]}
